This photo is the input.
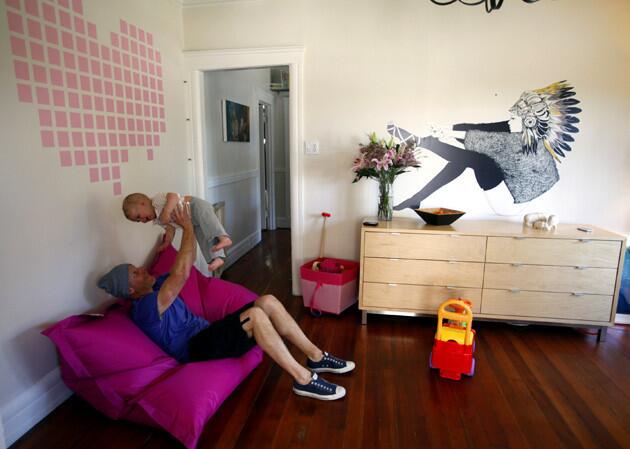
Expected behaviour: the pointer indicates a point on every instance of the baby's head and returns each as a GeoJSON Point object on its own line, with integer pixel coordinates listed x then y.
{"type": "Point", "coordinates": [138, 207]}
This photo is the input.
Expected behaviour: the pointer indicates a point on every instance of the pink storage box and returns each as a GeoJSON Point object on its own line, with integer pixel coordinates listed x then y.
{"type": "Point", "coordinates": [329, 292]}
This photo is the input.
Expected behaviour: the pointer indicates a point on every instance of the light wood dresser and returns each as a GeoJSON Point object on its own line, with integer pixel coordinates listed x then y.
{"type": "Point", "coordinates": [508, 271]}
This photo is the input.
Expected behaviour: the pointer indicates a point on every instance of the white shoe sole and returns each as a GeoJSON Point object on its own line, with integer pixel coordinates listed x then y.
{"type": "Point", "coordinates": [349, 367]}
{"type": "Point", "coordinates": [341, 392]}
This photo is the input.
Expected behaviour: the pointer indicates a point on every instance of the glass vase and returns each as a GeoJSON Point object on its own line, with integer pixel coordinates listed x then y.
{"type": "Point", "coordinates": [385, 198]}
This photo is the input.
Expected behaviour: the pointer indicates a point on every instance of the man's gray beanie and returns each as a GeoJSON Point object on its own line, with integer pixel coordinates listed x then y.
{"type": "Point", "coordinates": [116, 282]}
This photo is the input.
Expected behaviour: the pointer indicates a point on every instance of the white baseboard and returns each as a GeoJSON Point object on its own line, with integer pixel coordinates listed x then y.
{"type": "Point", "coordinates": [34, 404]}
{"type": "Point", "coordinates": [622, 318]}
{"type": "Point", "coordinates": [237, 251]}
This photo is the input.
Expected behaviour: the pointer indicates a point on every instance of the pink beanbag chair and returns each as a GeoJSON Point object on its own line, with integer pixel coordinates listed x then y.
{"type": "Point", "coordinates": [110, 363]}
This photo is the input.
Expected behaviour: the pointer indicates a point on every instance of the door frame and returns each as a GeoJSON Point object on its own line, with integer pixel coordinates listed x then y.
{"type": "Point", "coordinates": [199, 61]}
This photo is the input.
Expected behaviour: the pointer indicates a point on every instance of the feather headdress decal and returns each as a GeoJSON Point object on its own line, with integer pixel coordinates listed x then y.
{"type": "Point", "coordinates": [548, 116]}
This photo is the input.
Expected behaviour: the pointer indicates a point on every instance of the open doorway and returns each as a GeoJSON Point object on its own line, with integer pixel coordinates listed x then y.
{"type": "Point", "coordinates": [245, 151]}
{"type": "Point", "coordinates": [199, 62]}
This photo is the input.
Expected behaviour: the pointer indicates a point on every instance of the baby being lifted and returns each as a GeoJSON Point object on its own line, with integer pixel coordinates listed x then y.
{"type": "Point", "coordinates": [209, 232]}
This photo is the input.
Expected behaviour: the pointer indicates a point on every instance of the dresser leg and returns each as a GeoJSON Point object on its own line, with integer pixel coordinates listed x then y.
{"type": "Point", "coordinates": [363, 317]}
{"type": "Point", "coordinates": [601, 334]}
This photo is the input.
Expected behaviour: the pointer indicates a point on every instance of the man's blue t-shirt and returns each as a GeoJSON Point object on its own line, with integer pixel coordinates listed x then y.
{"type": "Point", "coordinates": [173, 329]}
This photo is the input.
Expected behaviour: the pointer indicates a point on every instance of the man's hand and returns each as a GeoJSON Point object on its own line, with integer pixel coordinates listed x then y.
{"type": "Point", "coordinates": [167, 238]}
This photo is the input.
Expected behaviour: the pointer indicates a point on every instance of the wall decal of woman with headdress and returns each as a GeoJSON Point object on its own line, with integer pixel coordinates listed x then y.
{"type": "Point", "coordinates": [525, 160]}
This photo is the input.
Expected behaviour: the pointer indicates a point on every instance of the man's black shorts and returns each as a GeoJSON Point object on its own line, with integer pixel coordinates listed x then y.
{"type": "Point", "coordinates": [222, 339]}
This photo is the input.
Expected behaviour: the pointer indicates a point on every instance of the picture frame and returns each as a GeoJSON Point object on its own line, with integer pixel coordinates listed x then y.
{"type": "Point", "coordinates": [236, 122]}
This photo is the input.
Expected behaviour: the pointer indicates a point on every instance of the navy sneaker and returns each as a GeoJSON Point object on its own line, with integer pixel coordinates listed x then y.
{"type": "Point", "coordinates": [330, 364]}
{"type": "Point", "coordinates": [318, 388]}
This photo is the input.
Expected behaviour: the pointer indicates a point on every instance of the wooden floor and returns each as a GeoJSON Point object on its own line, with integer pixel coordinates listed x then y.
{"type": "Point", "coordinates": [535, 387]}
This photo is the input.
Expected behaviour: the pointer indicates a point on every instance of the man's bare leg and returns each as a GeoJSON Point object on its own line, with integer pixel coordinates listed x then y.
{"type": "Point", "coordinates": [287, 327]}
{"type": "Point", "coordinates": [260, 327]}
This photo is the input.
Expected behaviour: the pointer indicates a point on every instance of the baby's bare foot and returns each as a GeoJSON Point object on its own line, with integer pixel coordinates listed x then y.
{"type": "Point", "coordinates": [215, 264]}
{"type": "Point", "coordinates": [224, 242]}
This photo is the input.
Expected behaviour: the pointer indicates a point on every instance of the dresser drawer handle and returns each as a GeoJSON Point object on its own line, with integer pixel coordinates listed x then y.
{"type": "Point", "coordinates": [519, 238]}
{"type": "Point", "coordinates": [452, 261]}
{"type": "Point", "coordinates": [454, 235]}
{"type": "Point", "coordinates": [393, 285]}
{"type": "Point", "coordinates": [577, 294]}
{"type": "Point", "coordinates": [585, 240]}
{"type": "Point", "coordinates": [393, 260]}
{"type": "Point", "coordinates": [394, 233]}
{"type": "Point", "coordinates": [449, 287]}
{"type": "Point", "coordinates": [517, 264]}
{"type": "Point", "coordinates": [579, 267]}
{"type": "Point", "coordinates": [514, 290]}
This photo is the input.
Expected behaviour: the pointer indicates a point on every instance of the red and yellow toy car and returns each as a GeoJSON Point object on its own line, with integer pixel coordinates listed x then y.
{"type": "Point", "coordinates": [454, 341]}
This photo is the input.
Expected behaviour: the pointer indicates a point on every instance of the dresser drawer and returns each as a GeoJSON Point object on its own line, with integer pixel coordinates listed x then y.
{"type": "Point", "coordinates": [463, 248]}
{"type": "Point", "coordinates": [529, 304]}
{"type": "Point", "coordinates": [550, 279]}
{"type": "Point", "coordinates": [423, 272]}
{"type": "Point", "coordinates": [415, 297]}
{"type": "Point", "coordinates": [585, 252]}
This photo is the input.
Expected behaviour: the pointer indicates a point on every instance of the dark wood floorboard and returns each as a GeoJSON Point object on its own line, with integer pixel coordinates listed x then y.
{"type": "Point", "coordinates": [535, 387]}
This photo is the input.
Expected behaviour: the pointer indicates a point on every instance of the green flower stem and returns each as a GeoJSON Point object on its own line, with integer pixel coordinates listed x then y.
{"type": "Point", "coordinates": [386, 196]}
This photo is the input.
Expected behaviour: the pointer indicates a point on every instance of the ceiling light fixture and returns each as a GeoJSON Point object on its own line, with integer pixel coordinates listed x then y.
{"type": "Point", "coordinates": [491, 5]}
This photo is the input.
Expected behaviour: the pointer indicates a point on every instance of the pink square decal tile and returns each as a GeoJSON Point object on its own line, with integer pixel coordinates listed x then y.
{"type": "Point", "coordinates": [91, 30]}
{"type": "Point", "coordinates": [34, 29]}
{"type": "Point", "coordinates": [15, 22]}
{"type": "Point", "coordinates": [71, 80]}
{"type": "Point", "coordinates": [77, 6]}
{"type": "Point", "coordinates": [61, 119]}
{"type": "Point", "coordinates": [117, 73]}
{"type": "Point", "coordinates": [107, 71]}
{"type": "Point", "coordinates": [134, 47]}
{"type": "Point", "coordinates": [63, 139]}
{"type": "Point", "coordinates": [77, 139]}
{"type": "Point", "coordinates": [149, 139]}
{"type": "Point", "coordinates": [124, 155]}
{"type": "Point", "coordinates": [79, 157]}
{"type": "Point", "coordinates": [132, 140]}
{"type": "Point", "coordinates": [116, 56]}
{"type": "Point", "coordinates": [69, 60]}
{"type": "Point", "coordinates": [151, 54]}
{"type": "Point", "coordinates": [54, 56]}
{"type": "Point", "coordinates": [86, 84]}
{"type": "Point", "coordinates": [92, 157]}
{"type": "Point", "coordinates": [111, 122]}
{"type": "Point", "coordinates": [140, 139]}
{"type": "Point", "coordinates": [158, 57]}
{"type": "Point", "coordinates": [65, 158]}
{"type": "Point", "coordinates": [113, 140]}
{"type": "Point", "coordinates": [56, 77]}
{"type": "Point", "coordinates": [82, 45]}
{"type": "Point", "coordinates": [124, 27]}
{"type": "Point", "coordinates": [100, 122]}
{"type": "Point", "coordinates": [141, 35]}
{"type": "Point", "coordinates": [149, 154]}
{"type": "Point", "coordinates": [120, 107]}
{"type": "Point", "coordinates": [127, 76]}
{"type": "Point", "coordinates": [117, 188]}
{"type": "Point", "coordinates": [126, 59]}
{"type": "Point", "coordinates": [59, 99]}
{"type": "Point", "coordinates": [104, 156]}
{"type": "Point", "coordinates": [98, 104]}
{"type": "Point", "coordinates": [83, 64]}
{"type": "Point", "coordinates": [49, 13]}
{"type": "Point", "coordinates": [64, 3]}
{"type": "Point", "coordinates": [114, 40]}
{"type": "Point", "coordinates": [109, 88]}
{"type": "Point", "coordinates": [96, 67]}
{"type": "Point", "coordinates": [138, 109]}
{"type": "Point", "coordinates": [131, 124]}
{"type": "Point", "coordinates": [45, 117]}
{"type": "Point", "coordinates": [139, 125]}
{"type": "Point", "coordinates": [115, 172]}
{"type": "Point", "coordinates": [114, 156]}
{"type": "Point", "coordinates": [86, 100]}
{"type": "Point", "coordinates": [122, 140]}
{"type": "Point", "coordinates": [31, 7]}
{"type": "Point", "coordinates": [156, 140]}
{"type": "Point", "coordinates": [39, 73]}
{"type": "Point", "coordinates": [147, 110]}
{"type": "Point", "coordinates": [162, 127]}
{"type": "Point", "coordinates": [109, 105]}
{"type": "Point", "coordinates": [94, 49]}
{"type": "Point", "coordinates": [158, 71]}
{"type": "Point", "coordinates": [105, 173]}
{"type": "Point", "coordinates": [133, 31]}
{"type": "Point", "coordinates": [105, 53]}
{"type": "Point", "coordinates": [48, 141]}
{"type": "Point", "coordinates": [79, 25]}
{"type": "Point", "coordinates": [13, 3]}
{"type": "Point", "coordinates": [143, 66]}
{"type": "Point", "coordinates": [154, 98]}
{"type": "Point", "coordinates": [102, 139]}
{"type": "Point", "coordinates": [121, 123]}
{"type": "Point", "coordinates": [88, 121]}
{"type": "Point", "coordinates": [65, 20]}
{"type": "Point", "coordinates": [42, 95]}
{"type": "Point", "coordinates": [73, 100]}
{"type": "Point", "coordinates": [93, 174]}
{"type": "Point", "coordinates": [20, 68]}
{"type": "Point", "coordinates": [97, 85]}
{"type": "Point", "coordinates": [143, 51]}
{"type": "Point", "coordinates": [51, 35]}
{"type": "Point", "coordinates": [128, 92]}
{"type": "Point", "coordinates": [67, 41]}
{"type": "Point", "coordinates": [155, 125]}
{"type": "Point", "coordinates": [150, 39]}
{"type": "Point", "coordinates": [75, 120]}
{"type": "Point", "coordinates": [118, 88]}
{"type": "Point", "coordinates": [90, 140]}
{"type": "Point", "coordinates": [37, 51]}
{"type": "Point", "coordinates": [159, 83]}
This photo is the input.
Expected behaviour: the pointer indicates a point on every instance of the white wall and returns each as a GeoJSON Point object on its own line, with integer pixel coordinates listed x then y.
{"type": "Point", "coordinates": [60, 231]}
{"type": "Point", "coordinates": [233, 168]}
{"type": "Point", "coordinates": [417, 63]}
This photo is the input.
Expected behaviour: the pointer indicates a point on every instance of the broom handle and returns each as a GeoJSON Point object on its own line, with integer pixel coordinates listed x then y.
{"type": "Point", "coordinates": [321, 245]}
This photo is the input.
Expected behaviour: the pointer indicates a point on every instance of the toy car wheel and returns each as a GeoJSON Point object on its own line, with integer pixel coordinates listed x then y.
{"type": "Point", "coordinates": [431, 360]}
{"type": "Point", "coordinates": [471, 373]}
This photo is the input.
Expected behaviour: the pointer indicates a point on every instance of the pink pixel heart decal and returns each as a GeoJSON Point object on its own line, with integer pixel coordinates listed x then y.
{"type": "Point", "coordinates": [94, 101]}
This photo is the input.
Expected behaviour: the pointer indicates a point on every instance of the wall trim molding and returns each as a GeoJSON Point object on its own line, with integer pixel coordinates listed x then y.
{"type": "Point", "coordinates": [232, 178]}
{"type": "Point", "coordinates": [622, 318]}
{"type": "Point", "coordinates": [34, 404]}
{"type": "Point", "coordinates": [237, 251]}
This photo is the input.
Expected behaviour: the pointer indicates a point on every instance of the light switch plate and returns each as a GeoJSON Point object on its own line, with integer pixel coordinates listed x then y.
{"type": "Point", "coordinates": [311, 147]}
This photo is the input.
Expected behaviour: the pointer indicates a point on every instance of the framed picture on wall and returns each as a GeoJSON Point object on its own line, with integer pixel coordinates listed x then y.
{"type": "Point", "coordinates": [235, 121]}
